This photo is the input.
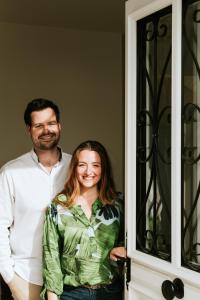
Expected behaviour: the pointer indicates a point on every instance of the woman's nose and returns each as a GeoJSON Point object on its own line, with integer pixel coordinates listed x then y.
{"type": "Point", "coordinates": [88, 169]}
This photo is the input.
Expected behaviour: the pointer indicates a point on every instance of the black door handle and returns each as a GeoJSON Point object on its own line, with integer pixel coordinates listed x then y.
{"type": "Point", "coordinates": [173, 289]}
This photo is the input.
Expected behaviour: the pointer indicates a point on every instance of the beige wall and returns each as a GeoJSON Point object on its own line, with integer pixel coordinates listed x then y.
{"type": "Point", "coordinates": [80, 70]}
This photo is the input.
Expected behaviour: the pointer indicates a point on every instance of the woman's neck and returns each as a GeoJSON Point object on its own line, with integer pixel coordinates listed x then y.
{"type": "Point", "coordinates": [86, 200]}
{"type": "Point", "coordinates": [89, 195]}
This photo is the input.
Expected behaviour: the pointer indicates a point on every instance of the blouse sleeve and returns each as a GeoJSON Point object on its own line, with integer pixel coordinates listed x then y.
{"type": "Point", "coordinates": [120, 205]}
{"type": "Point", "coordinates": [52, 274]}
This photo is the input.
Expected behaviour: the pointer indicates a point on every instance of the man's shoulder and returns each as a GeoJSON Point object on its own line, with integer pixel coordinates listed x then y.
{"type": "Point", "coordinates": [16, 162]}
{"type": "Point", "coordinates": [66, 156]}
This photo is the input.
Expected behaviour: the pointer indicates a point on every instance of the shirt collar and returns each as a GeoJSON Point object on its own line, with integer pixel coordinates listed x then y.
{"type": "Point", "coordinates": [35, 157]}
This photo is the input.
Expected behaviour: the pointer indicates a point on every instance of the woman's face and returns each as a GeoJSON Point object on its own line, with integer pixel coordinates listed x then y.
{"type": "Point", "coordinates": [88, 169]}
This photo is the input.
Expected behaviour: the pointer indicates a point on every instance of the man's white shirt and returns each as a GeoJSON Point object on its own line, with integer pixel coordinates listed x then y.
{"type": "Point", "coordinates": [26, 189]}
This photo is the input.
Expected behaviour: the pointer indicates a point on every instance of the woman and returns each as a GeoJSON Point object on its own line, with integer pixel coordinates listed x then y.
{"type": "Point", "coordinates": [83, 231]}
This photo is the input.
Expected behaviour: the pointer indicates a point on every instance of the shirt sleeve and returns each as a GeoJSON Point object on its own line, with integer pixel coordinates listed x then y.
{"type": "Point", "coordinates": [120, 205]}
{"type": "Point", "coordinates": [52, 273]}
{"type": "Point", "coordinates": [6, 221]}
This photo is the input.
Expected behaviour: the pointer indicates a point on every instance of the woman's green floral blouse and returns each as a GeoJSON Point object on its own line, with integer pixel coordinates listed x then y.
{"type": "Point", "coordinates": [76, 249]}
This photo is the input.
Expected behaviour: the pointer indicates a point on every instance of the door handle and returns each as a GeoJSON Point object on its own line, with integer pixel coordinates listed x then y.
{"type": "Point", "coordinates": [173, 289]}
{"type": "Point", "coordinates": [125, 265]}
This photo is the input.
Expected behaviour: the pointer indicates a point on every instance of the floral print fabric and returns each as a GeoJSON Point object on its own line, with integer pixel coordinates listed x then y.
{"type": "Point", "coordinates": [76, 249]}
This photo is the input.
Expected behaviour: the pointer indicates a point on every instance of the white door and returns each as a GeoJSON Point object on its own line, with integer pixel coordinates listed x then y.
{"type": "Point", "coordinates": [163, 148]}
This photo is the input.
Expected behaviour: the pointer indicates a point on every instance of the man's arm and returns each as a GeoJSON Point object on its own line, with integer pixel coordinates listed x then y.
{"type": "Point", "coordinates": [6, 220]}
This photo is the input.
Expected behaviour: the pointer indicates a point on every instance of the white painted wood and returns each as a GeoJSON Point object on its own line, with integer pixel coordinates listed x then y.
{"type": "Point", "coordinates": [143, 8]}
{"type": "Point", "coordinates": [130, 127]}
{"type": "Point", "coordinates": [147, 272]}
{"type": "Point", "coordinates": [147, 282]}
{"type": "Point", "coordinates": [176, 134]}
{"type": "Point", "coordinates": [198, 128]}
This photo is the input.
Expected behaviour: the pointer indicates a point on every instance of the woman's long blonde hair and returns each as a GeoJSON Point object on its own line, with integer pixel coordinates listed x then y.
{"type": "Point", "coordinates": [106, 186]}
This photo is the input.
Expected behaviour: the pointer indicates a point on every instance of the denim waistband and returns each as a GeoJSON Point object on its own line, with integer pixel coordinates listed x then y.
{"type": "Point", "coordinates": [89, 286]}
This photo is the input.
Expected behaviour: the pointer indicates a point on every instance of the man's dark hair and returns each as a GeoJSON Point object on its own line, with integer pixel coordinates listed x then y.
{"type": "Point", "coordinates": [37, 105]}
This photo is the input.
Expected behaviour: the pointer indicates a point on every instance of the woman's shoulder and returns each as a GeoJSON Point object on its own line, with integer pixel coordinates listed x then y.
{"type": "Point", "coordinates": [60, 199]}
{"type": "Point", "coordinates": [119, 200]}
{"type": "Point", "coordinates": [57, 202]}
{"type": "Point", "coordinates": [57, 206]}
{"type": "Point", "coordinates": [119, 196]}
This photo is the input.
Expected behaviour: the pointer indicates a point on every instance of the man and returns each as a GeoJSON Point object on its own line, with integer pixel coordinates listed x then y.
{"type": "Point", "coordinates": [27, 185]}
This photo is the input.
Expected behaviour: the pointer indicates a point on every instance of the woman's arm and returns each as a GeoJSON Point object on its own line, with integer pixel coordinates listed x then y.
{"type": "Point", "coordinates": [52, 273]}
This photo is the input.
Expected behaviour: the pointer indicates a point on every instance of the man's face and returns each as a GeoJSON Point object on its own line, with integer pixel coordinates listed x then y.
{"type": "Point", "coordinates": [44, 130]}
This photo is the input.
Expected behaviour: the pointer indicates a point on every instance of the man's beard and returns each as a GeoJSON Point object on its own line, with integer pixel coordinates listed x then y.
{"type": "Point", "coordinates": [47, 145]}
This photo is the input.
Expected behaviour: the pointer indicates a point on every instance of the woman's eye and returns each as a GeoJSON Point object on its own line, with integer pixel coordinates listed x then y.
{"type": "Point", "coordinates": [81, 165]}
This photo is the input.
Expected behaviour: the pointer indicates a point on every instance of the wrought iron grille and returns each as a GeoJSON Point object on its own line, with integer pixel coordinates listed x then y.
{"type": "Point", "coordinates": [154, 134]}
{"type": "Point", "coordinates": [191, 135]}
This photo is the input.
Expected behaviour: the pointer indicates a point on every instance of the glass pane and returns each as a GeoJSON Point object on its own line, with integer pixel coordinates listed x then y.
{"type": "Point", "coordinates": [154, 134]}
{"type": "Point", "coordinates": [191, 135]}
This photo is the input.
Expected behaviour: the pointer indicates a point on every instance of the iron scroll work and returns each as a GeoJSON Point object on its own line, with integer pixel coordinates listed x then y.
{"type": "Point", "coordinates": [191, 135]}
{"type": "Point", "coordinates": [154, 134]}
{"type": "Point", "coordinates": [153, 190]}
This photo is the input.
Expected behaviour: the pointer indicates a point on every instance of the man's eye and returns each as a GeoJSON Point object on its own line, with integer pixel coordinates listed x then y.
{"type": "Point", "coordinates": [37, 126]}
{"type": "Point", "coordinates": [52, 123]}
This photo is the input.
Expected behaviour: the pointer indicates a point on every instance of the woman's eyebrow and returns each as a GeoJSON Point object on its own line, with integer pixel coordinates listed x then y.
{"type": "Point", "coordinates": [93, 162]}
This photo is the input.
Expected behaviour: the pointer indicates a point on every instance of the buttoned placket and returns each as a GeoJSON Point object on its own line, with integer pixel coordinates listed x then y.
{"type": "Point", "coordinates": [88, 223]}
{"type": "Point", "coordinates": [51, 176]}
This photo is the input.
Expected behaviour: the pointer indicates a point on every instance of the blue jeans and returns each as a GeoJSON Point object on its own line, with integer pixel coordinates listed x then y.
{"type": "Point", "coordinates": [113, 291]}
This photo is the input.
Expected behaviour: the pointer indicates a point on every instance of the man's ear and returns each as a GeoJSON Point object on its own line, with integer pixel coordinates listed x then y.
{"type": "Point", "coordinates": [28, 129]}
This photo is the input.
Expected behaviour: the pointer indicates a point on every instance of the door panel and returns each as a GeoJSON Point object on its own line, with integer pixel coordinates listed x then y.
{"type": "Point", "coordinates": [162, 148]}
{"type": "Point", "coordinates": [153, 146]}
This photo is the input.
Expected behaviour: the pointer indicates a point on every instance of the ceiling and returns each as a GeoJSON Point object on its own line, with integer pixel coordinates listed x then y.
{"type": "Point", "coordinates": [98, 15]}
